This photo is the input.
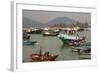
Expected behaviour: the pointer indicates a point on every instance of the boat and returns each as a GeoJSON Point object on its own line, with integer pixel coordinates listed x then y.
{"type": "Point", "coordinates": [78, 42]}
{"type": "Point", "coordinates": [50, 33]}
{"type": "Point", "coordinates": [26, 36]}
{"type": "Point", "coordinates": [66, 38]}
{"type": "Point", "coordinates": [28, 42]}
{"type": "Point", "coordinates": [81, 29]}
{"type": "Point", "coordinates": [43, 57]}
{"type": "Point", "coordinates": [35, 31]}
{"type": "Point", "coordinates": [85, 48]}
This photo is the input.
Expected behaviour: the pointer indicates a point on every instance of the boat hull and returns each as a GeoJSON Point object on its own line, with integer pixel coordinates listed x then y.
{"type": "Point", "coordinates": [37, 57]}
{"type": "Point", "coordinates": [51, 34]}
{"type": "Point", "coordinates": [29, 42]}
{"type": "Point", "coordinates": [69, 39]}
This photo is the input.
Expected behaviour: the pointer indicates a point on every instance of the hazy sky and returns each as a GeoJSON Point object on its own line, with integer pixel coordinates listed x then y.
{"type": "Point", "coordinates": [45, 16]}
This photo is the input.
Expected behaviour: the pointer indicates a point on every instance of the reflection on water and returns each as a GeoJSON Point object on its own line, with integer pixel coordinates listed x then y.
{"type": "Point", "coordinates": [52, 44]}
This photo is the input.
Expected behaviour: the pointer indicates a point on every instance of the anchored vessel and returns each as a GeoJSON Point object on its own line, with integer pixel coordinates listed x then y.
{"type": "Point", "coordinates": [65, 37]}
{"type": "Point", "coordinates": [43, 57]}
{"type": "Point", "coordinates": [28, 42]}
{"type": "Point", "coordinates": [71, 37]}
{"type": "Point", "coordinates": [50, 33]}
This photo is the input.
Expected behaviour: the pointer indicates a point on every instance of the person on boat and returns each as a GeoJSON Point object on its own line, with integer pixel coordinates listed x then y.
{"type": "Point", "coordinates": [46, 54]}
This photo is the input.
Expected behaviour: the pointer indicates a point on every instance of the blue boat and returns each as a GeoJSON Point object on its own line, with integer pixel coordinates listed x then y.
{"type": "Point", "coordinates": [86, 47]}
{"type": "Point", "coordinates": [28, 42]}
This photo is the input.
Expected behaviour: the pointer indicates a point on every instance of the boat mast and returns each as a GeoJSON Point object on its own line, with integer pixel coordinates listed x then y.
{"type": "Point", "coordinates": [40, 51]}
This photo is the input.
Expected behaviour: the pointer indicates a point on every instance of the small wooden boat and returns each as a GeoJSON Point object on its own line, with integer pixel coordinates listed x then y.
{"type": "Point", "coordinates": [28, 42]}
{"type": "Point", "coordinates": [43, 57]}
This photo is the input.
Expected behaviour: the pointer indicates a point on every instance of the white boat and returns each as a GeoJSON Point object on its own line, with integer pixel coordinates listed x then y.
{"type": "Point", "coordinates": [50, 33]}
{"type": "Point", "coordinates": [64, 36]}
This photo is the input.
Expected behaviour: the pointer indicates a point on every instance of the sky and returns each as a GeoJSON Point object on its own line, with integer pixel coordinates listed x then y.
{"type": "Point", "coordinates": [45, 16]}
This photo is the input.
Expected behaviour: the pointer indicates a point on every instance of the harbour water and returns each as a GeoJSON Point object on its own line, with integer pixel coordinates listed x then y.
{"type": "Point", "coordinates": [54, 45]}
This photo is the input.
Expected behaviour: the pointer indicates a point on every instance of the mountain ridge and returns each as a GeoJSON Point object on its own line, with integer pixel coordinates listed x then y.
{"type": "Point", "coordinates": [62, 20]}
{"type": "Point", "coordinates": [59, 20]}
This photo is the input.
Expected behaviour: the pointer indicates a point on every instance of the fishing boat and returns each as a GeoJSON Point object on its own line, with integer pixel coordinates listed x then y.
{"type": "Point", "coordinates": [35, 31]}
{"type": "Point", "coordinates": [43, 57]}
{"type": "Point", "coordinates": [50, 33]}
{"type": "Point", "coordinates": [66, 38]}
{"type": "Point", "coordinates": [28, 42]}
{"type": "Point", "coordinates": [81, 29]}
{"type": "Point", "coordinates": [85, 48]}
{"type": "Point", "coordinates": [26, 36]}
